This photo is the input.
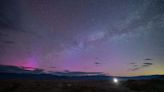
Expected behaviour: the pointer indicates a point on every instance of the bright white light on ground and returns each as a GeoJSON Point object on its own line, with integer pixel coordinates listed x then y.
{"type": "Point", "coordinates": [115, 80]}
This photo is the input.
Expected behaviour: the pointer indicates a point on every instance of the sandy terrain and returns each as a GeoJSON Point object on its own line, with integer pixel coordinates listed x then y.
{"type": "Point", "coordinates": [59, 86]}
{"type": "Point", "coordinates": [76, 86]}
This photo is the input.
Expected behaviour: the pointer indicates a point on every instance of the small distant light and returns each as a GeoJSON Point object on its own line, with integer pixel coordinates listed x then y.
{"type": "Point", "coordinates": [115, 80]}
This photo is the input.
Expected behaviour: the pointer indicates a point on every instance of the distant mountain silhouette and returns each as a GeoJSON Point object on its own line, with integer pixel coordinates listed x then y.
{"type": "Point", "coordinates": [14, 72]}
{"type": "Point", "coordinates": [50, 76]}
{"type": "Point", "coordinates": [65, 77]}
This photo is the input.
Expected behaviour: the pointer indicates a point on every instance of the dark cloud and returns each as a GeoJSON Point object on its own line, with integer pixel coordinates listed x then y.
{"type": "Point", "coordinates": [147, 64]}
{"type": "Point", "coordinates": [134, 69]}
{"type": "Point", "coordinates": [132, 63]}
{"type": "Point", "coordinates": [21, 69]}
{"type": "Point", "coordinates": [97, 63]}
{"type": "Point", "coordinates": [147, 59]}
{"type": "Point", "coordinates": [66, 71]}
{"type": "Point", "coordinates": [137, 67]}
{"type": "Point", "coordinates": [8, 68]}
{"type": "Point", "coordinates": [52, 67]}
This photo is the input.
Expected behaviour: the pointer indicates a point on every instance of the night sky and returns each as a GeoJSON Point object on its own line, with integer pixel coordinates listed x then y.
{"type": "Point", "coordinates": [115, 37]}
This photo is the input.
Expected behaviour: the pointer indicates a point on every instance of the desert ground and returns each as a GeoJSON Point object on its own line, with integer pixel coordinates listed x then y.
{"type": "Point", "coordinates": [81, 86]}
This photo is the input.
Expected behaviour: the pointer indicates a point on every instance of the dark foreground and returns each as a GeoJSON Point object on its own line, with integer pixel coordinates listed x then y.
{"type": "Point", "coordinates": [81, 86]}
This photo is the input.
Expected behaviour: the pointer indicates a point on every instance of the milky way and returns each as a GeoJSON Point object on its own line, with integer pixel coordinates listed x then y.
{"type": "Point", "coordinates": [109, 36]}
